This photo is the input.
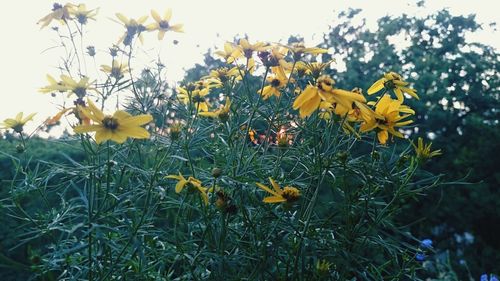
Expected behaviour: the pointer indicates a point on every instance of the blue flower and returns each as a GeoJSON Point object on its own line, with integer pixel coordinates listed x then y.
{"type": "Point", "coordinates": [426, 244]}
{"type": "Point", "coordinates": [484, 277]}
{"type": "Point", "coordinates": [421, 257]}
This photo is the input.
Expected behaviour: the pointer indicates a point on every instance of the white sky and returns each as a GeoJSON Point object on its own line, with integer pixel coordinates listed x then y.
{"type": "Point", "coordinates": [23, 66]}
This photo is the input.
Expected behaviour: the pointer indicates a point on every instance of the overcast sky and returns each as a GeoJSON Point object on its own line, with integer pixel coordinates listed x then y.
{"type": "Point", "coordinates": [25, 60]}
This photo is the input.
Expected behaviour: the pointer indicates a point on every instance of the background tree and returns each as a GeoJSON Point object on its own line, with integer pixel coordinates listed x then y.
{"type": "Point", "coordinates": [458, 84]}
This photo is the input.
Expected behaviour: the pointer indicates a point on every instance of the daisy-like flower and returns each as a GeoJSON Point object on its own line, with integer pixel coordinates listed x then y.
{"type": "Point", "coordinates": [286, 195]}
{"type": "Point", "coordinates": [248, 49]}
{"type": "Point", "coordinates": [194, 93]}
{"type": "Point", "coordinates": [79, 88]}
{"type": "Point", "coordinates": [116, 70]}
{"type": "Point", "coordinates": [54, 86]}
{"type": "Point", "coordinates": [424, 152]}
{"type": "Point", "coordinates": [275, 57]}
{"type": "Point", "coordinates": [82, 14]}
{"type": "Point", "coordinates": [390, 110]}
{"type": "Point", "coordinates": [17, 123]}
{"type": "Point", "coordinates": [192, 183]}
{"type": "Point", "coordinates": [393, 81]}
{"type": "Point", "coordinates": [315, 69]}
{"type": "Point", "coordinates": [223, 75]}
{"type": "Point", "coordinates": [134, 27]}
{"type": "Point", "coordinates": [163, 24]}
{"type": "Point", "coordinates": [230, 53]}
{"type": "Point", "coordinates": [298, 49]}
{"type": "Point", "coordinates": [221, 113]}
{"type": "Point", "coordinates": [117, 127]}
{"type": "Point", "coordinates": [312, 96]}
{"type": "Point", "coordinates": [59, 12]}
{"type": "Point", "coordinates": [277, 81]}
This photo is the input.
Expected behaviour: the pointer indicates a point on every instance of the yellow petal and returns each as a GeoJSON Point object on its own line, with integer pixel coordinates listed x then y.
{"type": "Point", "coordinates": [310, 106]}
{"type": "Point", "coordinates": [86, 128]}
{"type": "Point", "coordinates": [383, 136]}
{"type": "Point", "coordinates": [155, 16]}
{"type": "Point", "coordinates": [377, 86]}
{"type": "Point", "coordinates": [308, 93]}
{"type": "Point", "coordinates": [274, 199]}
{"type": "Point", "coordinates": [102, 135]}
{"type": "Point", "coordinates": [265, 188]}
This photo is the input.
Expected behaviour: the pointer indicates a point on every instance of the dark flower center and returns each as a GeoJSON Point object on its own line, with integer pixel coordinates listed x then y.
{"type": "Point", "coordinates": [56, 6]}
{"type": "Point", "coordinates": [110, 123]}
{"type": "Point", "coordinates": [275, 82]}
{"type": "Point", "coordinates": [164, 24]}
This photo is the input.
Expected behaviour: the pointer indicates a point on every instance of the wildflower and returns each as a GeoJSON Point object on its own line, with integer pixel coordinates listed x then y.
{"type": "Point", "coordinates": [315, 69]}
{"type": "Point", "coordinates": [134, 27]}
{"type": "Point", "coordinates": [223, 75]}
{"type": "Point", "coordinates": [54, 120]}
{"type": "Point", "coordinates": [116, 70]}
{"type": "Point", "coordinates": [224, 202]}
{"type": "Point", "coordinates": [298, 49]}
{"type": "Point", "coordinates": [194, 93]}
{"type": "Point", "coordinates": [323, 267]}
{"type": "Point", "coordinates": [248, 49]}
{"type": "Point", "coordinates": [59, 12]}
{"type": "Point", "coordinates": [484, 277]}
{"type": "Point", "coordinates": [82, 14]}
{"type": "Point", "coordinates": [78, 88]}
{"type": "Point", "coordinates": [282, 138]}
{"type": "Point", "coordinates": [423, 150]}
{"type": "Point", "coordinates": [175, 131]}
{"type": "Point", "coordinates": [221, 113]}
{"type": "Point", "coordinates": [390, 110]}
{"type": "Point", "coordinates": [193, 183]}
{"type": "Point", "coordinates": [17, 123]}
{"type": "Point", "coordinates": [426, 244]}
{"type": "Point", "coordinates": [54, 86]}
{"type": "Point", "coordinates": [393, 81]}
{"type": "Point", "coordinates": [287, 195]}
{"type": "Point", "coordinates": [230, 52]}
{"type": "Point", "coordinates": [91, 51]}
{"type": "Point", "coordinates": [117, 127]}
{"type": "Point", "coordinates": [277, 81]}
{"type": "Point", "coordinates": [420, 257]}
{"type": "Point", "coordinates": [275, 57]}
{"type": "Point", "coordinates": [312, 96]}
{"type": "Point", "coordinates": [163, 24]}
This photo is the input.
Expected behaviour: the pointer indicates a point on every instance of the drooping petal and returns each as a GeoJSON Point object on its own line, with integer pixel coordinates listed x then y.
{"type": "Point", "coordinates": [377, 86]}
{"type": "Point", "coordinates": [308, 93]}
{"type": "Point", "coordinates": [310, 106]}
{"type": "Point", "coordinates": [274, 199]}
{"type": "Point", "coordinates": [155, 16]}
{"type": "Point", "coordinates": [383, 136]}
{"type": "Point", "coordinates": [102, 135]}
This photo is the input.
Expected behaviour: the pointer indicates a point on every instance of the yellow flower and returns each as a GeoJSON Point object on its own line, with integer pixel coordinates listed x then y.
{"type": "Point", "coordinates": [313, 68]}
{"type": "Point", "coordinates": [298, 49]}
{"type": "Point", "coordinates": [117, 127]}
{"type": "Point", "coordinates": [309, 100]}
{"type": "Point", "coordinates": [54, 86]}
{"type": "Point", "coordinates": [393, 81]}
{"type": "Point", "coordinates": [390, 110]}
{"type": "Point", "coordinates": [288, 194]}
{"type": "Point", "coordinates": [221, 113]}
{"type": "Point", "coordinates": [163, 24]}
{"type": "Point", "coordinates": [78, 88]}
{"type": "Point", "coordinates": [194, 93]}
{"type": "Point", "coordinates": [248, 49]}
{"type": "Point", "coordinates": [230, 52]}
{"type": "Point", "coordinates": [223, 75]}
{"type": "Point", "coordinates": [134, 27]}
{"type": "Point", "coordinates": [190, 182]}
{"type": "Point", "coordinates": [116, 70]}
{"type": "Point", "coordinates": [277, 80]}
{"type": "Point", "coordinates": [423, 150]}
{"type": "Point", "coordinates": [59, 12]}
{"type": "Point", "coordinates": [82, 14]}
{"type": "Point", "coordinates": [17, 123]}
